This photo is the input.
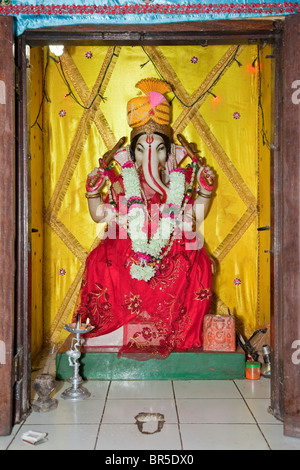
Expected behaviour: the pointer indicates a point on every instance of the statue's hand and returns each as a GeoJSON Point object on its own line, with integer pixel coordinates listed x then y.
{"type": "Point", "coordinates": [206, 179]}
{"type": "Point", "coordinates": [95, 181]}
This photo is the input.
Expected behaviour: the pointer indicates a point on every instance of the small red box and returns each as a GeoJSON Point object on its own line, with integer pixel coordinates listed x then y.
{"type": "Point", "coordinates": [219, 333]}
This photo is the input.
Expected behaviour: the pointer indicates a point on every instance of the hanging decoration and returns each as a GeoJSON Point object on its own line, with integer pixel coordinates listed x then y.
{"type": "Point", "coordinates": [43, 13]}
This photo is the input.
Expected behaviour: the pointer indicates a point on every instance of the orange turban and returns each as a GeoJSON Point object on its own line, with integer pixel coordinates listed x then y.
{"type": "Point", "coordinates": [150, 113]}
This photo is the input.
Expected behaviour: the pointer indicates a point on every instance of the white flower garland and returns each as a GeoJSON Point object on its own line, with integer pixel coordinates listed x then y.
{"type": "Point", "coordinates": [137, 217]}
{"type": "Point", "coordinates": [142, 273]}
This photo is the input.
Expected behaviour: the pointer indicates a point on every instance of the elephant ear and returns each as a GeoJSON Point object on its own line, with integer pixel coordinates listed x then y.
{"type": "Point", "coordinates": [176, 156]}
{"type": "Point", "coordinates": [153, 84]}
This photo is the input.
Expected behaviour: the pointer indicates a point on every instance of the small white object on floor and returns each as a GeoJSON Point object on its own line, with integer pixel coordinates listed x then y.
{"type": "Point", "coordinates": [34, 437]}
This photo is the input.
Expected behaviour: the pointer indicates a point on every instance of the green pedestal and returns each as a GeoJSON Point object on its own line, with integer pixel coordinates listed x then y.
{"type": "Point", "coordinates": [192, 365]}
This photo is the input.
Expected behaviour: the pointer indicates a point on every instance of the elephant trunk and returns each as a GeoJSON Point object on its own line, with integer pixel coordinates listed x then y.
{"type": "Point", "coordinates": [152, 176]}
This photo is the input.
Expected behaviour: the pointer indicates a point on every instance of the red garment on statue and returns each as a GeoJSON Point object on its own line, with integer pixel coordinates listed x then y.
{"type": "Point", "coordinates": [162, 315]}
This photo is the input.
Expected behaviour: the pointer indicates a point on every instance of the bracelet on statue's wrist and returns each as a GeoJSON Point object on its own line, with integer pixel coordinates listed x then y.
{"type": "Point", "coordinates": [92, 195]}
{"type": "Point", "coordinates": [207, 196]}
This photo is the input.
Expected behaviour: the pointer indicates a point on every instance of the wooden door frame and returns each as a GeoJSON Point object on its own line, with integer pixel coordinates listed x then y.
{"type": "Point", "coordinates": [291, 228]}
{"type": "Point", "coordinates": [210, 32]}
{"type": "Point", "coordinates": [22, 359]}
{"type": "Point", "coordinates": [7, 225]}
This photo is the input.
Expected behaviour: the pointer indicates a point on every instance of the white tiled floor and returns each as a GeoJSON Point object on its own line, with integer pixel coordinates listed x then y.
{"type": "Point", "coordinates": [198, 415]}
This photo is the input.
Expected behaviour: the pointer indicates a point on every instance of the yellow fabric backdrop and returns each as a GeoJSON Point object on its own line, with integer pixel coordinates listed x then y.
{"type": "Point", "coordinates": [37, 189]}
{"type": "Point", "coordinates": [226, 128]}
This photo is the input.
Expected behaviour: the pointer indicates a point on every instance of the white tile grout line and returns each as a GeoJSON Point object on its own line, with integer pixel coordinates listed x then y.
{"type": "Point", "coordinates": [177, 414]}
{"type": "Point", "coordinates": [257, 424]}
{"type": "Point", "coordinates": [15, 435]}
{"type": "Point", "coordinates": [101, 419]}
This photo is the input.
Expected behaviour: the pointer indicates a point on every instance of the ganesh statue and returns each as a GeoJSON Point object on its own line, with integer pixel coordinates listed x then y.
{"type": "Point", "coordinates": [151, 273]}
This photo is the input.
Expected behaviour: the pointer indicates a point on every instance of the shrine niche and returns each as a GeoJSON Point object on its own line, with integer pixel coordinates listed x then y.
{"type": "Point", "coordinates": [220, 101]}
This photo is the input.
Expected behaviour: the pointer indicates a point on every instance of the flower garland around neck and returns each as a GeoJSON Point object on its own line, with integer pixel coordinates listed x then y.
{"type": "Point", "coordinates": [149, 253]}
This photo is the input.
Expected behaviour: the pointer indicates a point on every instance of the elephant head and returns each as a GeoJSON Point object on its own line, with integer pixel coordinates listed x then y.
{"type": "Point", "coordinates": [150, 152]}
{"type": "Point", "coordinates": [149, 117]}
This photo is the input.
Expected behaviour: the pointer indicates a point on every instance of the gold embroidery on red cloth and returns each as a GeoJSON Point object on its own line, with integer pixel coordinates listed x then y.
{"type": "Point", "coordinates": [169, 272]}
{"type": "Point", "coordinates": [144, 337]}
{"type": "Point", "coordinates": [202, 294]}
{"type": "Point", "coordinates": [179, 322]}
{"type": "Point", "coordinates": [161, 331]}
{"type": "Point", "coordinates": [133, 302]}
{"type": "Point", "coordinates": [100, 307]}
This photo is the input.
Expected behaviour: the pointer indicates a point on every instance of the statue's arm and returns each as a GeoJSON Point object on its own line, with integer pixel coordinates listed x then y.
{"type": "Point", "coordinates": [205, 192]}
